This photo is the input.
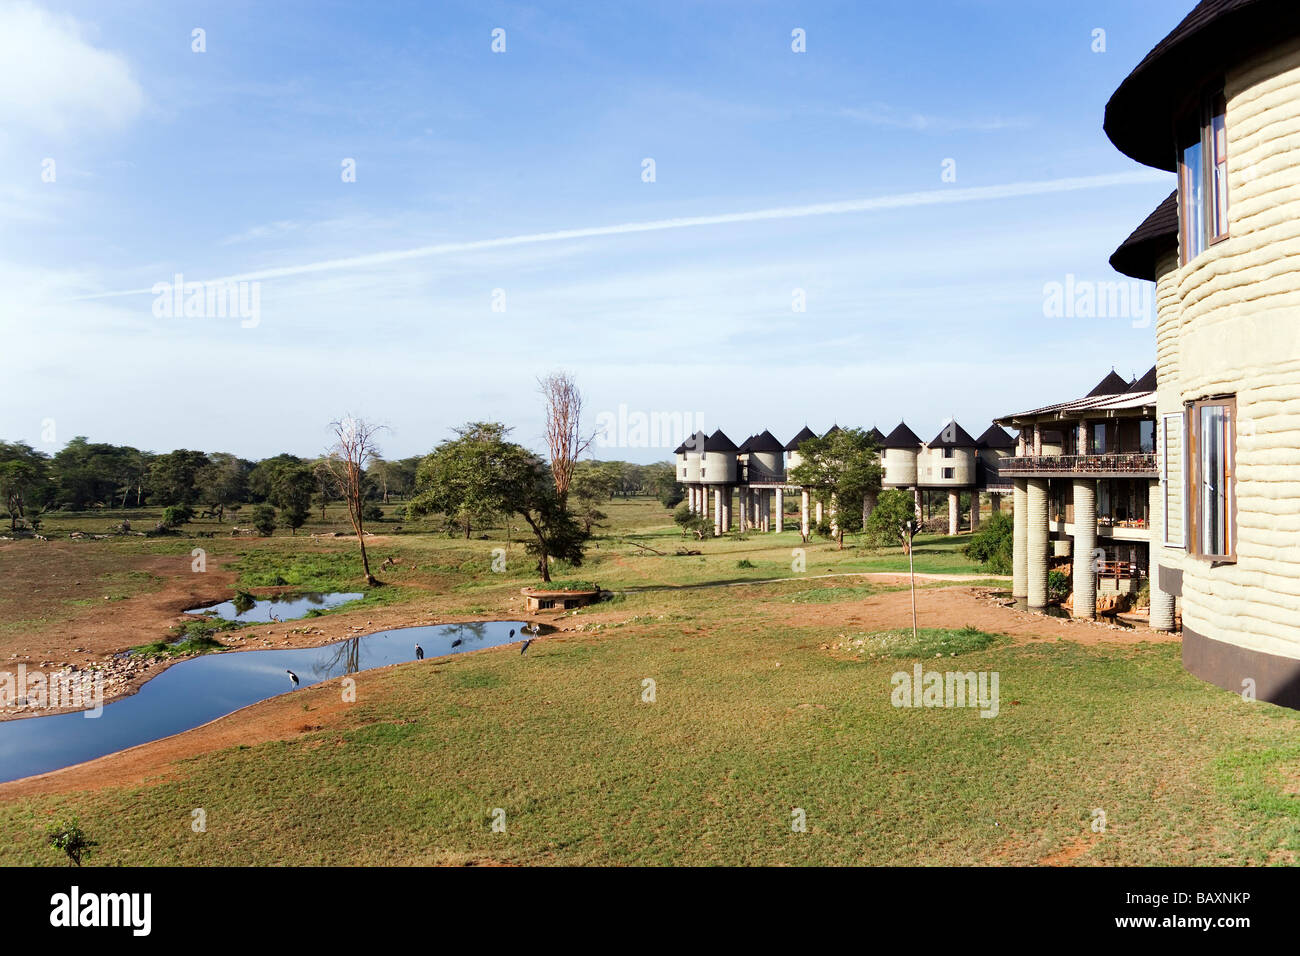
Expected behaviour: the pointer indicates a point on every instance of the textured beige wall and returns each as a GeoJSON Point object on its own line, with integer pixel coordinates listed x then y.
{"type": "Point", "coordinates": [1229, 323]}
{"type": "Point", "coordinates": [930, 465]}
{"type": "Point", "coordinates": [900, 468]}
{"type": "Point", "coordinates": [719, 467]}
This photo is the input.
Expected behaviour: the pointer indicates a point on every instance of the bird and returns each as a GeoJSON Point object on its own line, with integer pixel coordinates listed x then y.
{"type": "Point", "coordinates": [456, 642]}
{"type": "Point", "coordinates": [512, 632]}
{"type": "Point", "coordinates": [293, 677]}
{"type": "Point", "coordinates": [419, 652]}
{"type": "Point", "coordinates": [536, 629]}
{"type": "Point", "coordinates": [525, 647]}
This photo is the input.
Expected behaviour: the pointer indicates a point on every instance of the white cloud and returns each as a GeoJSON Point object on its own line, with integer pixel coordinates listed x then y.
{"type": "Point", "coordinates": [54, 81]}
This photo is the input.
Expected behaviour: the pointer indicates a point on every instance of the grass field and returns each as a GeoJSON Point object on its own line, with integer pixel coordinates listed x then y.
{"type": "Point", "coordinates": [768, 699]}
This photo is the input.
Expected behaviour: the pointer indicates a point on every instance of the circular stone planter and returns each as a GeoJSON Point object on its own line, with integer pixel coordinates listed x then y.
{"type": "Point", "coordinates": [541, 599]}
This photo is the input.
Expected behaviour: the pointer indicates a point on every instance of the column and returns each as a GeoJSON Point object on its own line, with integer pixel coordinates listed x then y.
{"type": "Point", "coordinates": [1037, 543]}
{"type": "Point", "coordinates": [726, 509]}
{"type": "Point", "coordinates": [717, 510]}
{"type": "Point", "coordinates": [1020, 539]}
{"type": "Point", "coordinates": [1085, 542]}
{"type": "Point", "coordinates": [1162, 602]}
{"type": "Point", "coordinates": [767, 510]}
{"type": "Point", "coordinates": [757, 510]}
{"type": "Point", "coordinates": [974, 510]}
{"type": "Point", "coordinates": [916, 501]}
{"type": "Point", "coordinates": [868, 506]}
{"type": "Point", "coordinates": [780, 509]}
{"type": "Point", "coordinates": [995, 503]}
{"type": "Point", "coordinates": [835, 516]}
{"type": "Point", "coordinates": [954, 511]}
{"type": "Point", "coordinates": [820, 514]}
{"type": "Point", "coordinates": [1038, 441]}
{"type": "Point", "coordinates": [745, 494]}
{"type": "Point", "coordinates": [803, 513]}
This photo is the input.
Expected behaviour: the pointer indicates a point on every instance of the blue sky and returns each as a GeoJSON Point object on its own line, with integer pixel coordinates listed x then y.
{"type": "Point", "coordinates": [228, 163]}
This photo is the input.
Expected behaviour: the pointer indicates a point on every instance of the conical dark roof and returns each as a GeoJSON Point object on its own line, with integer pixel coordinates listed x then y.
{"type": "Point", "coordinates": [1147, 383]}
{"type": "Point", "coordinates": [764, 441]}
{"type": "Point", "coordinates": [680, 449]}
{"type": "Point", "coordinates": [1112, 384]}
{"type": "Point", "coordinates": [952, 435]}
{"type": "Point", "coordinates": [995, 436]}
{"type": "Point", "coordinates": [876, 435]}
{"type": "Point", "coordinates": [718, 441]}
{"type": "Point", "coordinates": [901, 437]}
{"type": "Point", "coordinates": [804, 434]}
{"type": "Point", "coordinates": [744, 445]}
{"type": "Point", "coordinates": [831, 431]}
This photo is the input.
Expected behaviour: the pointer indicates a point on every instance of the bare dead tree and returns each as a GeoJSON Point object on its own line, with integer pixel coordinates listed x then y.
{"type": "Point", "coordinates": [354, 448]}
{"type": "Point", "coordinates": [564, 435]}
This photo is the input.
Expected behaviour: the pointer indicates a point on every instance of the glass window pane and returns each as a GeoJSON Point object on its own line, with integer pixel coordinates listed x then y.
{"type": "Point", "coordinates": [1214, 480]}
{"type": "Point", "coordinates": [1193, 200]}
{"type": "Point", "coordinates": [1219, 167]}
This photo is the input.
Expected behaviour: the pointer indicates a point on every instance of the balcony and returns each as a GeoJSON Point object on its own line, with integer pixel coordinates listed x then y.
{"type": "Point", "coordinates": [1133, 464]}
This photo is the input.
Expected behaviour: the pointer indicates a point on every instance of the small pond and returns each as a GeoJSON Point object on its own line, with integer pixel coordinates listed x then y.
{"type": "Point", "coordinates": [195, 691]}
{"type": "Point", "coordinates": [279, 607]}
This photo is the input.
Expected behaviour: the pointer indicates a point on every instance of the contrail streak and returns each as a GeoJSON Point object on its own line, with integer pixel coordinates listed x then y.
{"type": "Point", "coordinates": [934, 197]}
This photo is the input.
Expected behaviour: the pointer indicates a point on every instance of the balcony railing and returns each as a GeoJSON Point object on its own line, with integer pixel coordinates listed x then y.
{"type": "Point", "coordinates": [1134, 463]}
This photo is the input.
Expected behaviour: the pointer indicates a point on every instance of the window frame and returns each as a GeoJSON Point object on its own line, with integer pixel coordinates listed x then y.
{"type": "Point", "coordinates": [1192, 472]}
{"type": "Point", "coordinates": [1178, 419]}
{"type": "Point", "coordinates": [1214, 205]}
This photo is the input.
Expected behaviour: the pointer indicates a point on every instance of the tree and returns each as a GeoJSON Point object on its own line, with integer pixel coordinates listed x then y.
{"type": "Point", "coordinates": [173, 477]}
{"type": "Point", "coordinates": [592, 486]}
{"type": "Point", "coordinates": [692, 523]}
{"type": "Point", "coordinates": [354, 448]}
{"type": "Point", "coordinates": [291, 489]}
{"type": "Point", "coordinates": [25, 486]}
{"type": "Point", "coordinates": [264, 519]}
{"type": "Point", "coordinates": [894, 508]}
{"type": "Point", "coordinates": [564, 436]}
{"type": "Point", "coordinates": [461, 477]}
{"type": "Point", "coordinates": [843, 466]}
{"type": "Point", "coordinates": [223, 481]}
{"type": "Point", "coordinates": [262, 475]}
{"type": "Point", "coordinates": [479, 471]}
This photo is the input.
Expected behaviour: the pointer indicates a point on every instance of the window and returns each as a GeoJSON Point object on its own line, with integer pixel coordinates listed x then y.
{"type": "Point", "coordinates": [1099, 445]}
{"type": "Point", "coordinates": [1147, 436]}
{"type": "Point", "coordinates": [1203, 177]}
{"type": "Point", "coordinates": [1212, 480]}
{"type": "Point", "coordinates": [947, 453]}
{"type": "Point", "coordinates": [1171, 443]}
{"type": "Point", "coordinates": [948, 472]}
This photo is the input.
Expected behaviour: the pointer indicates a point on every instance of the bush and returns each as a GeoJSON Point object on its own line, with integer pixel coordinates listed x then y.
{"type": "Point", "coordinates": [894, 506]}
{"type": "Point", "coordinates": [264, 519]}
{"type": "Point", "coordinates": [372, 512]}
{"type": "Point", "coordinates": [67, 835]}
{"type": "Point", "coordinates": [174, 516]}
{"type": "Point", "coordinates": [1058, 586]}
{"type": "Point", "coordinates": [992, 545]}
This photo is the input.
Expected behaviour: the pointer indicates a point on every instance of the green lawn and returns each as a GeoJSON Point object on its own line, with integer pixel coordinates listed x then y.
{"type": "Point", "coordinates": [757, 714]}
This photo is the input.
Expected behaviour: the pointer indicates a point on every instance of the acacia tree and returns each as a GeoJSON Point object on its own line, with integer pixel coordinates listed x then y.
{"type": "Point", "coordinates": [354, 448]}
{"type": "Point", "coordinates": [479, 472]}
{"type": "Point", "coordinates": [842, 466]}
{"type": "Point", "coordinates": [291, 491]}
{"type": "Point", "coordinates": [565, 439]}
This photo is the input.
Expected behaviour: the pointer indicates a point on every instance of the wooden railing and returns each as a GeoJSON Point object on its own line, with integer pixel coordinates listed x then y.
{"type": "Point", "coordinates": [1135, 463]}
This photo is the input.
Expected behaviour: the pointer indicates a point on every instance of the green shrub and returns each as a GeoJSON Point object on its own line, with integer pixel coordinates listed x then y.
{"type": "Point", "coordinates": [174, 516]}
{"type": "Point", "coordinates": [264, 519]}
{"type": "Point", "coordinates": [1058, 586]}
{"type": "Point", "coordinates": [992, 544]}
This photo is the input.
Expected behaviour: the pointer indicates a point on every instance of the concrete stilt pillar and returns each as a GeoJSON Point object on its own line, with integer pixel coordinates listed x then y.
{"type": "Point", "coordinates": [868, 506]}
{"type": "Point", "coordinates": [1020, 539]}
{"type": "Point", "coordinates": [916, 501]}
{"type": "Point", "coordinates": [780, 509]}
{"type": "Point", "coordinates": [1038, 441]}
{"type": "Point", "coordinates": [745, 495]}
{"type": "Point", "coordinates": [820, 514]}
{"type": "Point", "coordinates": [717, 510]}
{"type": "Point", "coordinates": [974, 510]}
{"type": "Point", "coordinates": [954, 511]}
{"type": "Point", "coordinates": [1037, 542]}
{"type": "Point", "coordinates": [804, 529]}
{"type": "Point", "coordinates": [1162, 602]}
{"type": "Point", "coordinates": [835, 516]}
{"type": "Point", "coordinates": [726, 510]}
{"type": "Point", "coordinates": [758, 510]}
{"type": "Point", "coordinates": [767, 511]}
{"type": "Point", "coordinates": [1085, 542]}
{"type": "Point", "coordinates": [995, 503]}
